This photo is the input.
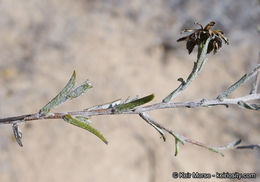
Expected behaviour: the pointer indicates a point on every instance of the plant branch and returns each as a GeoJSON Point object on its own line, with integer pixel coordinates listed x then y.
{"type": "Point", "coordinates": [135, 106]}
{"type": "Point", "coordinates": [110, 111]}
{"type": "Point", "coordinates": [182, 139]}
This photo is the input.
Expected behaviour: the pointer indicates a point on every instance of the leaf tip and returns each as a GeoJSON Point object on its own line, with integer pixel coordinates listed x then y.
{"type": "Point", "coordinates": [152, 96]}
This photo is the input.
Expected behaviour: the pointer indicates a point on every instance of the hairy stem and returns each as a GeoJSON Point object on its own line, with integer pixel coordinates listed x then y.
{"type": "Point", "coordinates": [201, 59]}
{"type": "Point", "coordinates": [110, 111]}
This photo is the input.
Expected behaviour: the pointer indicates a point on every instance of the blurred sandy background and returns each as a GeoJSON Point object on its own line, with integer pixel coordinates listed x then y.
{"type": "Point", "coordinates": [125, 48]}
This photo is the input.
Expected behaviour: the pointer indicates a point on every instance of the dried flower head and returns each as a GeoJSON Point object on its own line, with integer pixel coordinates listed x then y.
{"type": "Point", "coordinates": [201, 35]}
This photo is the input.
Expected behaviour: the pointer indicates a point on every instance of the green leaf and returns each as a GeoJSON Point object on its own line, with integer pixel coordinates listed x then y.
{"type": "Point", "coordinates": [68, 118]}
{"type": "Point", "coordinates": [61, 97]}
{"type": "Point", "coordinates": [176, 147]}
{"type": "Point", "coordinates": [83, 119]}
{"type": "Point", "coordinates": [178, 139]}
{"type": "Point", "coordinates": [133, 104]}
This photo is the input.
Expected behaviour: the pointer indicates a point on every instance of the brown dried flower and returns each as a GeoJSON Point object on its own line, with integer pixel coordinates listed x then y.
{"type": "Point", "coordinates": [202, 34]}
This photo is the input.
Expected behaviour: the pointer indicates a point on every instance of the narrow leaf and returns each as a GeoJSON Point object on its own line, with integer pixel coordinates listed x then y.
{"type": "Point", "coordinates": [178, 137]}
{"type": "Point", "coordinates": [249, 106]}
{"type": "Point", "coordinates": [130, 100]}
{"type": "Point", "coordinates": [176, 147]}
{"type": "Point", "coordinates": [79, 90]}
{"type": "Point", "coordinates": [105, 106]}
{"type": "Point", "coordinates": [212, 149]}
{"type": "Point", "coordinates": [133, 104]}
{"type": "Point", "coordinates": [149, 120]}
{"type": "Point", "coordinates": [17, 134]}
{"type": "Point", "coordinates": [233, 144]}
{"type": "Point", "coordinates": [83, 119]}
{"type": "Point", "coordinates": [228, 146]}
{"type": "Point", "coordinates": [254, 146]}
{"type": "Point", "coordinates": [232, 88]}
{"type": "Point", "coordinates": [68, 118]}
{"type": "Point", "coordinates": [61, 97]}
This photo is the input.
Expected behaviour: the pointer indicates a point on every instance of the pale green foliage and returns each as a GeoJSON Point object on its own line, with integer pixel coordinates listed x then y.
{"type": "Point", "coordinates": [67, 93]}
{"type": "Point", "coordinates": [61, 97]}
{"type": "Point", "coordinates": [84, 125]}
{"type": "Point", "coordinates": [232, 88]}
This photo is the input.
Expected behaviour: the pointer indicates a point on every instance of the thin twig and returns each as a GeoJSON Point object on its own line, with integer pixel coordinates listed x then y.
{"type": "Point", "coordinates": [109, 111]}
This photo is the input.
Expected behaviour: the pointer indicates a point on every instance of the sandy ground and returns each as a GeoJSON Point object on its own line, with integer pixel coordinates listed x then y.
{"type": "Point", "coordinates": [119, 47]}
